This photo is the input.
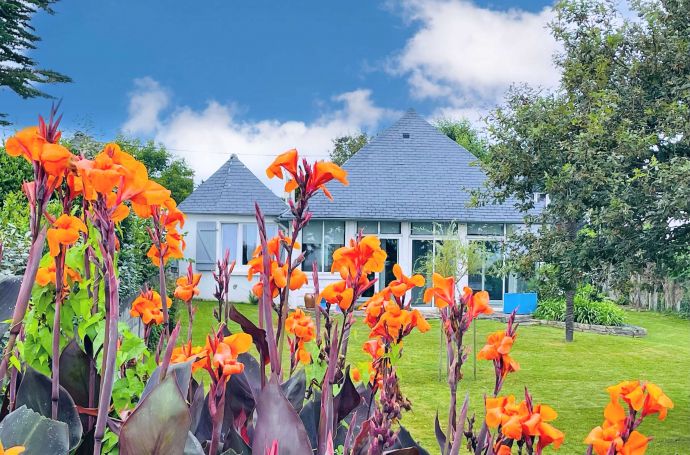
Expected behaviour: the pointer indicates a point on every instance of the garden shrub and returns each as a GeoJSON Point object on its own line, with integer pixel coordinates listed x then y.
{"type": "Point", "coordinates": [589, 308]}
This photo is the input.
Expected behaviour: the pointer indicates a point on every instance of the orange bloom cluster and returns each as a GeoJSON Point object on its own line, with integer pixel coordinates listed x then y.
{"type": "Point", "coordinates": [309, 178]}
{"type": "Point", "coordinates": [30, 144]}
{"type": "Point", "coordinates": [402, 283]}
{"type": "Point", "coordinates": [187, 352]}
{"type": "Point", "coordinates": [186, 289]}
{"type": "Point", "coordinates": [394, 322]}
{"type": "Point", "coordinates": [148, 306]}
{"type": "Point", "coordinates": [518, 422]}
{"type": "Point", "coordinates": [375, 349]}
{"type": "Point", "coordinates": [497, 349]}
{"type": "Point", "coordinates": [170, 218]}
{"type": "Point", "coordinates": [221, 355]}
{"type": "Point", "coordinates": [279, 271]}
{"type": "Point", "coordinates": [644, 398]}
{"type": "Point", "coordinates": [64, 231]}
{"type": "Point", "coordinates": [301, 325]}
{"type": "Point", "coordinates": [46, 275]}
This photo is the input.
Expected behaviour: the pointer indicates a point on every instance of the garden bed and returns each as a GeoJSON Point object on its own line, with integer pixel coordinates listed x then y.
{"type": "Point", "coordinates": [620, 330]}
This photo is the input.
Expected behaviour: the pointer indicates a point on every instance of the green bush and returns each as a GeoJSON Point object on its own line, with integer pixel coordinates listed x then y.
{"type": "Point", "coordinates": [588, 309]}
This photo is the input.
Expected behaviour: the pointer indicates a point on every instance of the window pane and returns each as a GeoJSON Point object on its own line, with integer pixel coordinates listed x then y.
{"type": "Point", "coordinates": [368, 227]}
{"type": "Point", "coordinates": [271, 230]}
{"type": "Point", "coordinates": [390, 227]}
{"type": "Point", "coordinates": [312, 239]}
{"type": "Point", "coordinates": [334, 238]}
{"type": "Point", "coordinates": [484, 229]}
{"type": "Point", "coordinates": [249, 241]}
{"type": "Point", "coordinates": [422, 228]}
{"type": "Point", "coordinates": [229, 240]}
{"type": "Point", "coordinates": [421, 251]}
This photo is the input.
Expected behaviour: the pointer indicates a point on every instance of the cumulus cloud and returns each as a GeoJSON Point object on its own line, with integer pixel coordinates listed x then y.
{"type": "Point", "coordinates": [466, 56]}
{"type": "Point", "coordinates": [207, 137]}
{"type": "Point", "coordinates": [146, 102]}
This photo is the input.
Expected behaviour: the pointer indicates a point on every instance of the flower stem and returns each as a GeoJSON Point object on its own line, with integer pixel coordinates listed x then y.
{"type": "Point", "coordinates": [59, 293]}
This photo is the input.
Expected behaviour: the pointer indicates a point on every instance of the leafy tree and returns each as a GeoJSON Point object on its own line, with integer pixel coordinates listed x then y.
{"type": "Point", "coordinates": [346, 146]}
{"type": "Point", "coordinates": [462, 132]}
{"type": "Point", "coordinates": [171, 172]}
{"type": "Point", "coordinates": [610, 146]}
{"type": "Point", "coordinates": [14, 173]}
{"type": "Point", "coordinates": [18, 71]}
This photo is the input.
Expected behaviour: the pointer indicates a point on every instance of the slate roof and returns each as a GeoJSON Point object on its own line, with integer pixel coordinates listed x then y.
{"type": "Point", "coordinates": [411, 171]}
{"type": "Point", "coordinates": [232, 190]}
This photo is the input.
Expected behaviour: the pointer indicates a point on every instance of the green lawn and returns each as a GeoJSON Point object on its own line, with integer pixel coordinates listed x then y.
{"type": "Point", "coordinates": [570, 377]}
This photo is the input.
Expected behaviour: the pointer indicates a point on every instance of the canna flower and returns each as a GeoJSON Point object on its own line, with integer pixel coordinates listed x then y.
{"type": "Point", "coordinates": [373, 308]}
{"type": "Point", "coordinates": [403, 283]}
{"type": "Point", "coordinates": [186, 289]}
{"type": "Point", "coordinates": [642, 396]}
{"type": "Point", "coordinates": [148, 306]}
{"type": "Point", "coordinates": [395, 322]}
{"type": "Point", "coordinates": [286, 161]}
{"type": "Point", "coordinates": [311, 178]}
{"type": "Point", "coordinates": [16, 450]}
{"type": "Point", "coordinates": [222, 355]}
{"type": "Point", "coordinates": [65, 231]}
{"type": "Point", "coordinates": [363, 256]}
{"type": "Point", "coordinates": [338, 293]}
{"type": "Point", "coordinates": [30, 144]}
{"type": "Point", "coordinates": [601, 440]}
{"type": "Point", "coordinates": [46, 275]}
{"type": "Point", "coordinates": [477, 303]}
{"type": "Point", "coordinates": [173, 248]}
{"type": "Point", "coordinates": [279, 276]}
{"type": "Point", "coordinates": [497, 348]}
{"type": "Point", "coordinates": [301, 325]}
{"type": "Point", "coordinates": [442, 292]}
{"type": "Point", "coordinates": [322, 173]}
{"type": "Point", "coordinates": [187, 352]}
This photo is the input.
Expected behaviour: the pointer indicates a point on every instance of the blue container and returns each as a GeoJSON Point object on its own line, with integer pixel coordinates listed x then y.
{"type": "Point", "coordinates": [525, 302]}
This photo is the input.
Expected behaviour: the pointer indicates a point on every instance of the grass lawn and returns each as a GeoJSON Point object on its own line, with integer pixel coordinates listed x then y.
{"type": "Point", "coordinates": [570, 377]}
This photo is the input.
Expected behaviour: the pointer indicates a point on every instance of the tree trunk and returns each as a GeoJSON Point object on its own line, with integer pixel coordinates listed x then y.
{"type": "Point", "coordinates": [569, 314]}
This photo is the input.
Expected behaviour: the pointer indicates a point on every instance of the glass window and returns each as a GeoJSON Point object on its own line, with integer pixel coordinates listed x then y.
{"type": "Point", "coordinates": [319, 240]}
{"type": "Point", "coordinates": [422, 228]}
{"type": "Point", "coordinates": [312, 240]}
{"type": "Point", "coordinates": [229, 240]}
{"type": "Point", "coordinates": [368, 227]}
{"type": "Point", "coordinates": [389, 227]}
{"type": "Point", "coordinates": [271, 230]}
{"type": "Point", "coordinates": [250, 235]}
{"type": "Point", "coordinates": [484, 229]}
{"type": "Point", "coordinates": [333, 238]}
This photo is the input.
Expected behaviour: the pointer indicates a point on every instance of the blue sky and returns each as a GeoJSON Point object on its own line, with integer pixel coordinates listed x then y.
{"type": "Point", "coordinates": [208, 79]}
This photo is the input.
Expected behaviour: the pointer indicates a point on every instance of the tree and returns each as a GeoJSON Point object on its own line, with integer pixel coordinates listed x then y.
{"type": "Point", "coordinates": [14, 173]}
{"type": "Point", "coordinates": [462, 132]}
{"type": "Point", "coordinates": [610, 147]}
{"type": "Point", "coordinates": [171, 172]}
{"type": "Point", "coordinates": [346, 146]}
{"type": "Point", "coordinates": [18, 71]}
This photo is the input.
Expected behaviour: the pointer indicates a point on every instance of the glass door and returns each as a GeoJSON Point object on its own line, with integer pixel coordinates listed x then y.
{"type": "Point", "coordinates": [421, 250]}
{"type": "Point", "coordinates": [488, 279]}
{"type": "Point", "coordinates": [390, 246]}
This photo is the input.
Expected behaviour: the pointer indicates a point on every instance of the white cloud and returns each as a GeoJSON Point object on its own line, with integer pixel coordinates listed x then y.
{"type": "Point", "coordinates": [146, 102]}
{"type": "Point", "coordinates": [207, 137]}
{"type": "Point", "coordinates": [465, 56]}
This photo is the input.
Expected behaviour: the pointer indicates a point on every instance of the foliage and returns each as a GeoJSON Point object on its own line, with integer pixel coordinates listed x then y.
{"type": "Point", "coordinates": [18, 70]}
{"type": "Point", "coordinates": [14, 227]}
{"type": "Point", "coordinates": [344, 147]}
{"type": "Point", "coordinates": [14, 173]}
{"type": "Point", "coordinates": [589, 308]}
{"type": "Point", "coordinates": [462, 132]}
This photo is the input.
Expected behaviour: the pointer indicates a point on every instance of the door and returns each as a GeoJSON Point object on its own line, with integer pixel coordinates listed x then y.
{"type": "Point", "coordinates": [390, 246]}
{"type": "Point", "coordinates": [422, 249]}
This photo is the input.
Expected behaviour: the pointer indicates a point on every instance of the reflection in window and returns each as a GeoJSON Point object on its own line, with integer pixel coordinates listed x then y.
{"type": "Point", "coordinates": [367, 227]}
{"type": "Point", "coordinates": [319, 240]}
{"type": "Point", "coordinates": [484, 229]}
{"type": "Point", "coordinates": [422, 228]}
{"type": "Point", "coordinates": [389, 227]}
{"type": "Point", "coordinates": [250, 235]}
{"type": "Point", "coordinates": [229, 240]}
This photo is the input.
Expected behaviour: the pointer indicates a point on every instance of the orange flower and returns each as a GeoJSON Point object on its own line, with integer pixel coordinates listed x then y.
{"type": "Point", "coordinates": [187, 352]}
{"type": "Point", "coordinates": [27, 143]}
{"type": "Point", "coordinates": [396, 322]}
{"type": "Point", "coordinates": [300, 324]}
{"type": "Point", "coordinates": [363, 255]}
{"type": "Point", "coordinates": [402, 283]}
{"type": "Point", "coordinates": [186, 289]}
{"type": "Point", "coordinates": [322, 173]}
{"type": "Point", "coordinates": [601, 440]}
{"type": "Point", "coordinates": [355, 374]}
{"type": "Point", "coordinates": [442, 291]}
{"type": "Point", "coordinates": [46, 275]}
{"type": "Point", "coordinates": [286, 161]}
{"type": "Point", "coordinates": [497, 348]}
{"type": "Point", "coordinates": [148, 306]}
{"type": "Point", "coordinates": [338, 293]}
{"type": "Point", "coordinates": [173, 248]}
{"type": "Point", "coordinates": [373, 308]}
{"type": "Point", "coordinates": [16, 450]}
{"type": "Point", "coordinates": [65, 231]}
{"type": "Point", "coordinates": [222, 361]}
{"type": "Point", "coordinates": [477, 303]}
{"type": "Point", "coordinates": [279, 276]}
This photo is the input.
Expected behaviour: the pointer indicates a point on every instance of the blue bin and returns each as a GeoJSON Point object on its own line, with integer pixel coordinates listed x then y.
{"type": "Point", "coordinates": [525, 302]}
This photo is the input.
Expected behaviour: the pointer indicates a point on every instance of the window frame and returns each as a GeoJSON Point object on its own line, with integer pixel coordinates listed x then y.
{"type": "Point", "coordinates": [322, 259]}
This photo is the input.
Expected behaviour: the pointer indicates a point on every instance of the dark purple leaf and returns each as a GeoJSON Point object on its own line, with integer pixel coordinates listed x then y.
{"type": "Point", "coordinates": [160, 423]}
{"type": "Point", "coordinates": [406, 442]}
{"type": "Point", "coordinates": [35, 392]}
{"type": "Point", "coordinates": [258, 335]}
{"type": "Point", "coordinates": [310, 416]}
{"type": "Point", "coordinates": [440, 435]}
{"type": "Point", "coordinates": [294, 389]}
{"type": "Point", "coordinates": [74, 374]}
{"type": "Point", "coordinates": [182, 373]}
{"type": "Point", "coordinates": [38, 434]}
{"type": "Point", "coordinates": [9, 289]}
{"type": "Point", "coordinates": [347, 399]}
{"type": "Point", "coordinates": [278, 421]}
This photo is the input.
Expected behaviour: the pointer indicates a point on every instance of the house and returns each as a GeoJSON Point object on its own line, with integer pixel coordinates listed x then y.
{"type": "Point", "coordinates": [405, 185]}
